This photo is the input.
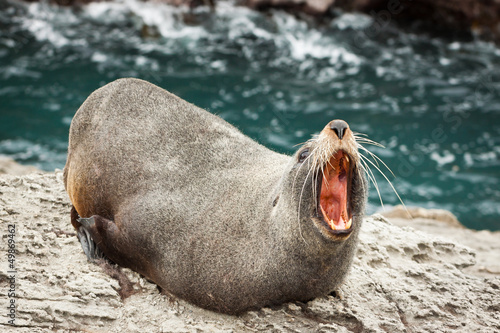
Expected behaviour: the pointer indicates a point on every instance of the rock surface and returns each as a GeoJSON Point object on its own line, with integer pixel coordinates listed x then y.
{"type": "Point", "coordinates": [402, 280]}
{"type": "Point", "coordinates": [486, 244]}
{"type": "Point", "coordinates": [11, 167]}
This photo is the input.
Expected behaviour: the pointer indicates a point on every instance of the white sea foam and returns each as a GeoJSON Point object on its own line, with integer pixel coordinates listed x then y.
{"type": "Point", "coordinates": [99, 57]}
{"type": "Point", "coordinates": [39, 22]}
{"type": "Point", "coordinates": [446, 157]}
{"type": "Point", "coordinates": [352, 21]}
{"type": "Point", "coordinates": [107, 12]}
{"type": "Point", "coordinates": [53, 24]}
{"type": "Point", "coordinates": [294, 40]}
{"type": "Point", "coordinates": [25, 150]}
{"type": "Point", "coordinates": [305, 42]}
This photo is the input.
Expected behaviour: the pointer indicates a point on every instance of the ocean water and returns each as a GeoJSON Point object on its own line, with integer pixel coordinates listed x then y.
{"type": "Point", "coordinates": [433, 100]}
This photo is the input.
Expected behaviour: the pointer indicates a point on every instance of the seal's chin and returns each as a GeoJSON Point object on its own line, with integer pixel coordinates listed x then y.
{"type": "Point", "coordinates": [334, 194]}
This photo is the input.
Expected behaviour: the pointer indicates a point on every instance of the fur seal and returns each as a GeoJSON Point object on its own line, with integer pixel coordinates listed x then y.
{"type": "Point", "coordinates": [184, 198]}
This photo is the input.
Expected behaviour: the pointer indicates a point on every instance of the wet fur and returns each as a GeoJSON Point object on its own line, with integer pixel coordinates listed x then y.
{"type": "Point", "coordinates": [187, 200]}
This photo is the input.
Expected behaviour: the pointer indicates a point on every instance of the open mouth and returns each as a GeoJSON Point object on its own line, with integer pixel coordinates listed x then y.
{"type": "Point", "coordinates": [334, 194]}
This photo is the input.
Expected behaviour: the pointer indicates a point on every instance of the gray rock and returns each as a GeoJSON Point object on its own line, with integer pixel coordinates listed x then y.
{"type": "Point", "coordinates": [402, 280]}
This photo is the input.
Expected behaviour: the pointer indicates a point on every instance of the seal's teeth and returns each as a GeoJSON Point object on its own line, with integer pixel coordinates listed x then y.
{"type": "Point", "coordinates": [348, 224]}
{"type": "Point", "coordinates": [332, 225]}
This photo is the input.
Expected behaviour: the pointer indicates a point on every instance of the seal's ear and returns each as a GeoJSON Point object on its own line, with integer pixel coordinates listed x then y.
{"type": "Point", "coordinates": [303, 155]}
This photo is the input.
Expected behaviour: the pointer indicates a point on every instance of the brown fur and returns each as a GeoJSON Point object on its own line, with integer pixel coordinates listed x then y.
{"type": "Point", "coordinates": [211, 216]}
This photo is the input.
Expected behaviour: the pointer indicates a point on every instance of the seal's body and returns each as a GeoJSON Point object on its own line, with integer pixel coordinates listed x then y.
{"type": "Point", "coordinates": [182, 197]}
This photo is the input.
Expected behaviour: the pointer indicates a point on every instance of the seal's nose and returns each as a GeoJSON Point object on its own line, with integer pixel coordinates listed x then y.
{"type": "Point", "coordinates": [339, 127]}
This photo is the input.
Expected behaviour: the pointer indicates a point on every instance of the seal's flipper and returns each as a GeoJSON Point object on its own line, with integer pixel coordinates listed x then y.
{"type": "Point", "coordinates": [74, 218]}
{"type": "Point", "coordinates": [101, 239]}
{"type": "Point", "coordinates": [89, 247]}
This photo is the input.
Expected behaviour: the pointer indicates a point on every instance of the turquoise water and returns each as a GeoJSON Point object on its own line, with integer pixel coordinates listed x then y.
{"type": "Point", "coordinates": [432, 99]}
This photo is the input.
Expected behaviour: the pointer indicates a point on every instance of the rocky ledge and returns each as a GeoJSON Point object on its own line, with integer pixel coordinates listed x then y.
{"type": "Point", "coordinates": [403, 279]}
{"type": "Point", "coordinates": [11, 167]}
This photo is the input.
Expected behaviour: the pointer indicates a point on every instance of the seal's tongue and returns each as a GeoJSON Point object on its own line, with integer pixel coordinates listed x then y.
{"type": "Point", "coordinates": [333, 196]}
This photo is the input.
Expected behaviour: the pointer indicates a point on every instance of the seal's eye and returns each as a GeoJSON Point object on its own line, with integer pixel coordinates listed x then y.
{"type": "Point", "coordinates": [303, 155]}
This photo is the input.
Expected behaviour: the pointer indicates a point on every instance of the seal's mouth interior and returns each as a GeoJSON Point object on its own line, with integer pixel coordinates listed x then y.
{"type": "Point", "coordinates": [334, 194]}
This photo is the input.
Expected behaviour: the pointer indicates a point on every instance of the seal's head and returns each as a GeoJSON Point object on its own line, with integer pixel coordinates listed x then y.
{"type": "Point", "coordinates": [328, 186]}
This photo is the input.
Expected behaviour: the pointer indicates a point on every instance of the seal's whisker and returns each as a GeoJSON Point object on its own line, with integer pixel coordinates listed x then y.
{"type": "Point", "coordinates": [303, 163]}
{"type": "Point", "coordinates": [308, 160]}
{"type": "Point", "coordinates": [300, 201]}
{"type": "Point", "coordinates": [303, 143]}
{"type": "Point", "coordinates": [324, 161]}
{"type": "Point", "coordinates": [375, 143]}
{"type": "Point", "coordinates": [298, 170]}
{"type": "Point", "coordinates": [370, 154]}
{"type": "Point", "coordinates": [377, 159]}
{"type": "Point", "coordinates": [363, 180]}
{"type": "Point", "coordinates": [387, 179]}
{"type": "Point", "coordinates": [368, 141]}
{"type": "Point", "coordinates": [370, 176]}
{"type": "Point", "coordinates": [363, 136]}
{"type": "Point", "coordinates": [364, 183]}
{"type": "Point", "coordinates": [369, 173]}
{"type": "Point", "coordinates": [323, 174]}
{"type": "Point", "coordinates": [318, 164]}
{"type": "Point", "coordinates": [315, 192]}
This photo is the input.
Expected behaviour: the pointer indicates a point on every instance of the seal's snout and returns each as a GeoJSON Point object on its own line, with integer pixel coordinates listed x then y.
{"type": "Point", "coordinates": [336, 157]}
{"type": "Point", "coordinates": [339, 127]}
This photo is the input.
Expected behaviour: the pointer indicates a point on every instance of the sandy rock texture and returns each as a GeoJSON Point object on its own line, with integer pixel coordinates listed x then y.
{"type": "Point", "coordinates": [441, 222]}
{"type": "Point", "coordinates": [11, 167]}
{"type": "Point", "coordinates": [402, 280]}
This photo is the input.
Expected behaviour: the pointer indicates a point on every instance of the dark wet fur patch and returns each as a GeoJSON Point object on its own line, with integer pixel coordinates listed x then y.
{"type": "Point", "coordinates": [114, 271]}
